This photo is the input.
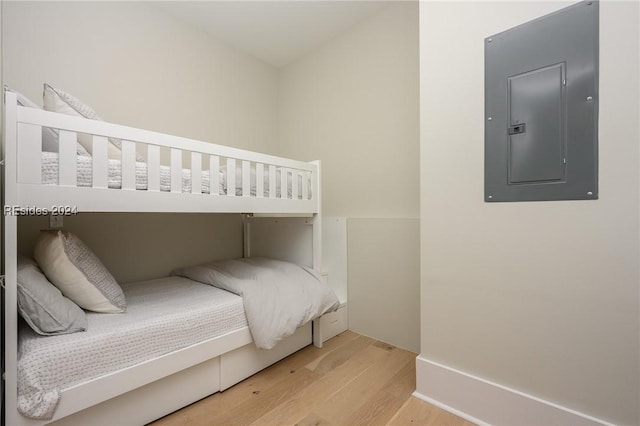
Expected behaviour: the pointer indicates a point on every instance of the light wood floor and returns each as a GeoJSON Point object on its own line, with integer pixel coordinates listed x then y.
{"type": "Point", "coordinates": [351, 380]}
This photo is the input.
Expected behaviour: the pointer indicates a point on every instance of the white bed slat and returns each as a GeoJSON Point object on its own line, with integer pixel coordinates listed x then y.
{"type": "Point", "coordinates": [196, 173]}
{"type": "Point", "coordinates": [272, 181]}
{"type": "Point", "coordinates": [67, 158]}
{"type": "Point", "coordinates": [128, 165]}
{"type": "Point", "coordinates": [246, 179]}
{"type": "Point", "coordinates": [29, 157]}
{"type": "Point", "coordinates": [305, 185]}
{"type": "Point", "coordinates": [153, 168]}
{"type": "Point", "coordinates": [214, 174]}
{"type": "Point", "coordinates": [259, 180]}
{"type": "Point", "coordinates": [295, 174]}
{"type": "Point", "coordinates": [100, 162]}
{"type": "Point", "coordinates": [176, 170]}
{"type": "Point", "coordinates": [231, 177]}
{"type": "Point", "coordinates": [283, 182]}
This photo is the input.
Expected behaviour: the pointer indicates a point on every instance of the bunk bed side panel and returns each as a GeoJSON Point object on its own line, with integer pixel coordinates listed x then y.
{"type": "Point", "coordinates": [10, 311]}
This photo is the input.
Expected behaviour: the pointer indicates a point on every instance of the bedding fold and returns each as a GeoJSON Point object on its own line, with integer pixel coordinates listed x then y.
{"type": "Point", "coordinates": [278, 296]}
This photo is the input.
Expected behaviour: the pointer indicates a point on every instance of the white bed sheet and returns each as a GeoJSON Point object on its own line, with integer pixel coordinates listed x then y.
{"type": "Point", "coordinates": [162, 316]}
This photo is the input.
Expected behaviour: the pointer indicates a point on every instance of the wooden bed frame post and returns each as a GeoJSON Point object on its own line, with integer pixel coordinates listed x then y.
{"type": "Point", "coordinates": [317, 247]}
{"type": "Point", "coordinates": [10, 313]}
{"type": "Point", "coordinates": [246, 234]}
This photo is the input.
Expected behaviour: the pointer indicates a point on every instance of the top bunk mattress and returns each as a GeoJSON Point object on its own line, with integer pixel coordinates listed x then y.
{"type": "Point", "coordinates": [84, 177]}
{"type": "Point", "coordinates": [162, 316]}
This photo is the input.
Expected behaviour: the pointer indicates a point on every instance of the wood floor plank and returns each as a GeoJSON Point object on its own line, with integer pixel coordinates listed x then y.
{"type": "Point", "coordinates": [313, 420]}
{"type": "Point", "coordinates": [345, 401]}
{"type": "Point", "coordinates": [258, 383]}
{"type": "Point", "coordinates": [305, 402]}
{"type": "Point", "coordinates": [445, 418]}
{"type": "Point", "coordinates": [253, 408]}
{"type": "Point", "coordinates": [403, 384]}
{"type": "Point", "coordinates": [383, 345]}
{"type": "Point", "coordinates": [351, 380]}
{"type": "Point", "coordinates": [264, 379]}
{"type": "Point", "coordinates": [388, 400]}
{"type": "Point", "coordinates": [377, 410]}
{"type": "Point", "coordinates": [413, 412]}
{"type": "Point", "coordinates": [334, 359]}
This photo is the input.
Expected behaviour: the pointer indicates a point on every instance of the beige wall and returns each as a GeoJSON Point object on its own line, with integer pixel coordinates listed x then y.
{"type": "Point", "coordinates": [353, 104]}
{"type": "Point", "coordinates": [137, 66]}
{"type": "Point", "coordinates": [140, 246]}
{"type": "Point", "coordinates": [384, 266]}
{"type": "Point", "coordinates": [541, 297]}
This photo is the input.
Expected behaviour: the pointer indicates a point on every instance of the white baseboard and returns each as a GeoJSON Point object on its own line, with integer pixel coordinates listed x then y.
{"type": "Point", "coordinates": [486, 403]}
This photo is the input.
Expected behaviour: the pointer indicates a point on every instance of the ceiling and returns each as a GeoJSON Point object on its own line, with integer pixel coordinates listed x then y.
{"type": "Point", "coordinates": [277, 32]}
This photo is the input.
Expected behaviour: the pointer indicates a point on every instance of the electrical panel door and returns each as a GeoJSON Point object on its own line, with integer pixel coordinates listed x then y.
{"type": "Point", "coordinates": [541, 97]}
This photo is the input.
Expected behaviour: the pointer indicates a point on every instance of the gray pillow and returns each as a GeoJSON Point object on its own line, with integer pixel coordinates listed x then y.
{"type": "Point", "coordinates": [42, 305]}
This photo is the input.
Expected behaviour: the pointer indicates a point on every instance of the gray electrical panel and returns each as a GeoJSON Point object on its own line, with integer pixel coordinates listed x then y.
{"type": "Point", "coordinates": [541, 108]}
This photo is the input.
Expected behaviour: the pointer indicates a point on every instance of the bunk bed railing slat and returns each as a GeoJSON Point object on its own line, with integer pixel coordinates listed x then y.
{"type": "Point", "coordinates": [246, 179]}
{"type": "Point", "coordinates": [196, 173]}
{"type": "Point", "coordinates": [231, 177]}
{"type": "Point", "coordinates": [272, 181]}
{"type": "Point", "coordinates": [67, 159]}
{"type": "Point", "coordinates": [259, 180]}
{"type": "Point", "coordinates": [305, 185]}
{"type": "Point", "coordinates": [176, 170]}
{"type": "Point", "coordinates": [100, 163]}
{"type": "Point", "coordinates": [214, 174]}
{"type": "Point", "coordinates": [283, 183]}
{"type": "Point", "coordinates": [153, 168]}
{"type": "Point", "coordinates": [29, 153]}
{"type": "Point", "coordinates": [128, 164]}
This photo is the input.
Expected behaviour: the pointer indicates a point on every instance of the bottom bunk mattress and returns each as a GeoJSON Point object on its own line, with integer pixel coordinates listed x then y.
{"type": "Point", "coordinates": [163, 315]}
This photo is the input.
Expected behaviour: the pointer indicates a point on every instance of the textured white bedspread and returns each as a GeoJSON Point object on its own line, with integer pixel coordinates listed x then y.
{"type": "Point", "coordinates": [84, 174]}
{"type": "Point", "coordinates": [162, 316]}
{"type": "Point", "coordinates": [278, 296]}
{"type": "Point", "coordinates": [84, 165]}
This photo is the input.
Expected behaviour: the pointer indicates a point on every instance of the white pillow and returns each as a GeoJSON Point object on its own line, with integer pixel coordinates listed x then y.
{"type": "Point", "coordinates": [49, 135]}
{"type": "Point", "coordinates": [60, 101]}
{"type": "Point", "coordinates": [78, 273]}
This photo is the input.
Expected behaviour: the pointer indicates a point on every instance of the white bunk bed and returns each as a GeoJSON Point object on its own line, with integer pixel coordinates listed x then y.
{"type": "Point", "coordinates": [236, 179]}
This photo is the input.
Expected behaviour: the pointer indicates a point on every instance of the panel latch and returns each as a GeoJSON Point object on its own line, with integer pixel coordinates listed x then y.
{"type": "Point", "coordinates": [517, 129]}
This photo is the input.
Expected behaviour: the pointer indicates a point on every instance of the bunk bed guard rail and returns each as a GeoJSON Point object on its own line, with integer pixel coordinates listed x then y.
{"type": "Point", "coordinates": [199, 176]}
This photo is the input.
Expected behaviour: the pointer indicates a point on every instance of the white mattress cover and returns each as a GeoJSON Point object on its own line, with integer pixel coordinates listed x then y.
{"type": "Point", "coordinates": [162, 316]}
